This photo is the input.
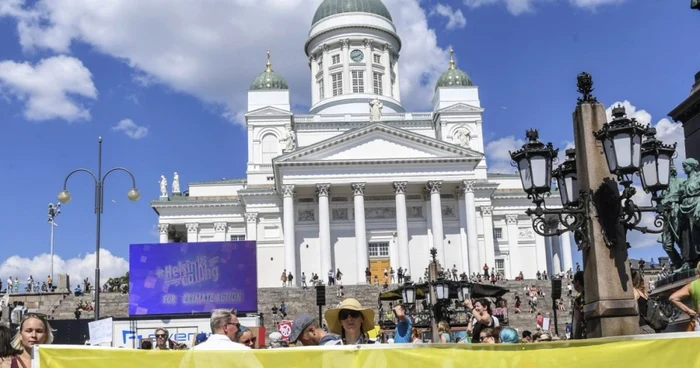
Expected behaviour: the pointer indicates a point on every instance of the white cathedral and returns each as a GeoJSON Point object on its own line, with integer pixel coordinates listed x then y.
{"type": "Point", "coordinates": [359, 182]}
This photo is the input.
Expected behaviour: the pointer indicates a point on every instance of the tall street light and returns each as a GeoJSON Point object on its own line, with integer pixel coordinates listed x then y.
{"type": "Point", "coordinates": [64, 197]}
{"type": "Point", "coordinates": [54, 210]}
{"type": "Point", "coordinates": [607, 156]}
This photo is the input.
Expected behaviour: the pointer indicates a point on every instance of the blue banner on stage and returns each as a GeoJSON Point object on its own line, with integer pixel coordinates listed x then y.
{"type": "Point", "coordinates": [184, 278]}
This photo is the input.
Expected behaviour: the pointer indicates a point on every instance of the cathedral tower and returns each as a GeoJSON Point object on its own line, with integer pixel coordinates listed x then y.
{"type": "Point", "coordinates": [353, 51]}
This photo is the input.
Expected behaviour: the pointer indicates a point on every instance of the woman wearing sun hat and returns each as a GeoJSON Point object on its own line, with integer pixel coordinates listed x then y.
{"type": "Point", "coordinates": [351, 321]}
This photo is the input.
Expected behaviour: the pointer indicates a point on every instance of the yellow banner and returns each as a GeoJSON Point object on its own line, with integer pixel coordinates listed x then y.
{"type": "Point", "coordinates": [679, 350]}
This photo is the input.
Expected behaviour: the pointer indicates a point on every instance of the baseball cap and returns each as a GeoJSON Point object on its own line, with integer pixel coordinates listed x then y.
{"type": "Point", "coordinates": [201, 337]}
{"type": "Point", "coordinates": [299, 325]}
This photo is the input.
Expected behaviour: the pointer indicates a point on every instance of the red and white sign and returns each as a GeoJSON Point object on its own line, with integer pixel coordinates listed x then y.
{"type": "Point", "coordinates": [285, 328]}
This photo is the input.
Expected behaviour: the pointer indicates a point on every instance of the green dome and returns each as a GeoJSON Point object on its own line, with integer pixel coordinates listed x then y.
{"type": "Point", "coordinates": [268, 79]}
{"type": "Point", "coordinates": [454, 76]}
{"type": "Point", "coordinates": [332, 7]}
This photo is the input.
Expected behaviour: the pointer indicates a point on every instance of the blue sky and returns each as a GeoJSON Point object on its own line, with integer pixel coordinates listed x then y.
{"type": "Point", "coordinates": [174, 80]}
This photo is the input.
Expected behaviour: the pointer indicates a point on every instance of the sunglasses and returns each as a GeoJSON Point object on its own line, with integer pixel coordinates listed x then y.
{"type": "Point", "coordinates": [161, 335]}
{"type": "Point", "coordinates": [344, 314]}
{"type": "Point", "coordinates": [250, 341]}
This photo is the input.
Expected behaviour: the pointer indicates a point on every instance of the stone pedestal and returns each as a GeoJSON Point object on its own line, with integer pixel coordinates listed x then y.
{"type": "Point", "coordinates": [688, 113]}
{"type": "Point", "coordinates": [610, 308]}
{"type": "Point", "coordinates": [63, 285]}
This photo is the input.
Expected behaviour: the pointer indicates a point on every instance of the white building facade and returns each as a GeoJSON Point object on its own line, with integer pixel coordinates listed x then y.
{"type": "Point", "coordinates": [350, 186]}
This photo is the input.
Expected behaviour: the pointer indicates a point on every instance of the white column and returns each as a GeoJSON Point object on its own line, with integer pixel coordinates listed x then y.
{"type": "Point", "coordinates": [192, 232]}
{"type": "Point", "coordinates": [327, 85]}
{"type": "Point", "coordinates": [369, 85]}
{"type": "Point", "coordinates": [360, 231]}
{"type": "Point", "coordinates": [513, 256]}
{"type": "Point", "coordinates": [436, 213]}
{"type": "Point", "coordinates": [486, 215]}
{"type": "Point", "coordinates": [324, 229]}
{"type": "Point", "coordinates": [428, 220]}
{"type": "Point", "coordinates": [163, 232]}
{"type": "Point", "coordinates": [314, 85]}
{"type": "Point", "coordinates": [548, 253]}
{"type": "Point", "coordinates": [290, 247]}
{"type": "Point", "coordinates": [393, 255]}
{"type": "Point", "coordinates": [556, 260]}
{"type": "Point", "coordinates": [219, 231]}
{"type": "Point", "coordinates": [464, 266]}
{"type": "Point", "coordinates": [251, 228]}
{"type": "Point", "coordinates": [345, 47]}
{"type": "Point", "coordinates": [402, 225]}
{"type": "Point", "coordinates": [397, 89]}
{"type": "Point", "coordinates": [566, 251]}
{"type": "Point", "coordinates": [386, 78]}
{"type": "Point", "coordinates": [477, 256]}
{"type": "Point", "coordinates": [541, 253]}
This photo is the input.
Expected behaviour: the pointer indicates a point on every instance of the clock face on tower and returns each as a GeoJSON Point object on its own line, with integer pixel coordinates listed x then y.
{"type": "Point", "coordinates": [357, 56]}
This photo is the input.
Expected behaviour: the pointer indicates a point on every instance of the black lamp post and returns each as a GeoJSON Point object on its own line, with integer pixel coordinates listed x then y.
{"type": "Point", "coordinates": [626, 156]}
{"type": "Point", "coordinates": [64, 197]}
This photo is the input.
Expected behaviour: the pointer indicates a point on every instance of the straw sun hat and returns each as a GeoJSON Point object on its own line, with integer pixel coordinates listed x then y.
{"type": "Point", "coordinates": [333, 320]}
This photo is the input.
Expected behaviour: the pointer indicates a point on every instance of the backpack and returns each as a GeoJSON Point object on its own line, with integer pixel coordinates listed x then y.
{"type": "Point", "coordinates": [655, 317]}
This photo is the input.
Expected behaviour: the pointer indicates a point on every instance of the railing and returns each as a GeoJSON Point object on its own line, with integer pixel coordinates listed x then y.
{"type": "Point", "coordinates": [361, 117]}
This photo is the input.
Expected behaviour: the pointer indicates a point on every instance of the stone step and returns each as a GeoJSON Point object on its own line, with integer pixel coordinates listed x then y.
{"type": "Point", "coordinates": [299, 300]}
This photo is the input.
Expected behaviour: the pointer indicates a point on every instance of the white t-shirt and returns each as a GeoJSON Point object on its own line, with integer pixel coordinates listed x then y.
{"type": "Point", "coordinates": [220, 342]}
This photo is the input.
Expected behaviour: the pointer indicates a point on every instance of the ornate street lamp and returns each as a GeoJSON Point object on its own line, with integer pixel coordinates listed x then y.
{"type": "Point", "coordinates": [625, 154]}
{"type": "Point", "coordinates": [442, 290]}
{"type": "Point", "coordinates": [656, 163]}
{"type": "Point", "coordinates": [534, 160]}
{"type": "Point", "coordinates": [567, 180]}
{"type": "Point", "coordinates": [622, 144]}
{"type": "Point", "coordinates": [534, 163]}
{"type": "Point", "coordinates": [463, 292]}
{"type": "Point", "coordinates": [408, 293]}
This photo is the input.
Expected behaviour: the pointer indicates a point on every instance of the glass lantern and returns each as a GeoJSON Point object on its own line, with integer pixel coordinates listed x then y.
{"type": "Point", "coordinates": [622, 143]}
{"type": "Point", "coordinates": [567, 179]}
{"type": "Point", "coordinates": [534, 163]}
{"type": "Point", "coordinates": [656, 163]}
{"type": "Point", "coordinates": [409, 293]}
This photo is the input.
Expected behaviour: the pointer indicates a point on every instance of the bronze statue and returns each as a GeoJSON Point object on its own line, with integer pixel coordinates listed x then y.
{"type": "Point", "coordinates": [689, 214]}
{"type": "Point", "coordinates": [671, 198]}
{"type": "Point", "coordinates": [695, 4]}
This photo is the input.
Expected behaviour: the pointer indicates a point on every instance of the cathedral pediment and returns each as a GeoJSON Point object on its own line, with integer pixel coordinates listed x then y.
{"type": "Point", "coordinates": [268, 111]}
{"type": "Point", "coordinates": [460, 108]}
{"type": "Point", "coordinates": [379, 142]}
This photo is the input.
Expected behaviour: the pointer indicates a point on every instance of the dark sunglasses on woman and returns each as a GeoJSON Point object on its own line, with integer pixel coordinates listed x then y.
{"type": "Point", "coordinates": [344, 314]}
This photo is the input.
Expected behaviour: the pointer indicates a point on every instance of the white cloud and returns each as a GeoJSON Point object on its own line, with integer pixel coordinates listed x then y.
{"type": "Point", "coordinates": [215, 51]}
{"type": "Point", "coordinates": [666, 130]}
{"type": "Point", "coordinates": [517, 7]}
{"type": "Point", "coordinates": [455, 18]}
{"type": "Point", "coordinates": [49, 88]}
{"type": "Point", "coordinates": [498, 156]}
{"type": "Point", "coordinates": [131, 129]}
{"type": "Point", "coordinates": [78, 268]}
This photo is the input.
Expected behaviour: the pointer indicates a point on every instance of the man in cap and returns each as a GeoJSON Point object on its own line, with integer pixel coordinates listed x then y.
{"type": "Point", "coordinates": [306, 330]}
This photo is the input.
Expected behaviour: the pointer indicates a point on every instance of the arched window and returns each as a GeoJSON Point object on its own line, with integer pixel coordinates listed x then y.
{"type": "Point", "coordinates": [270, 148]}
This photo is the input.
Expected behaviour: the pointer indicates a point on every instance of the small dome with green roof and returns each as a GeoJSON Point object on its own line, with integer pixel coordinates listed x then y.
{"type": "Point", "coordinates": [268, 79]}
{"type": "Point", "coordinates": [454, 77]}
{"type": "Point", "coordinates": [333, 7]}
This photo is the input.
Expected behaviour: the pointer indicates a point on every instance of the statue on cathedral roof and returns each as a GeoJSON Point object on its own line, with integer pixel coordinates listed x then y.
{"type": "Point", "coordinates": [375, 110]}
{"type": "Point", "coordinates": [163, 186]}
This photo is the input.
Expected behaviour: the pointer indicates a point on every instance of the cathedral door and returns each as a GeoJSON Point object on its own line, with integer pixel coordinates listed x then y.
{"type": "Point", "coordinates": [379, 261]}
{"type": "Point", "coordinates": [377, 266]}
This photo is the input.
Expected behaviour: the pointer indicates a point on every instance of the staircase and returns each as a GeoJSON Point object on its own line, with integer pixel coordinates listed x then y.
{"type": "Point", "coordinates": [299, 300]}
